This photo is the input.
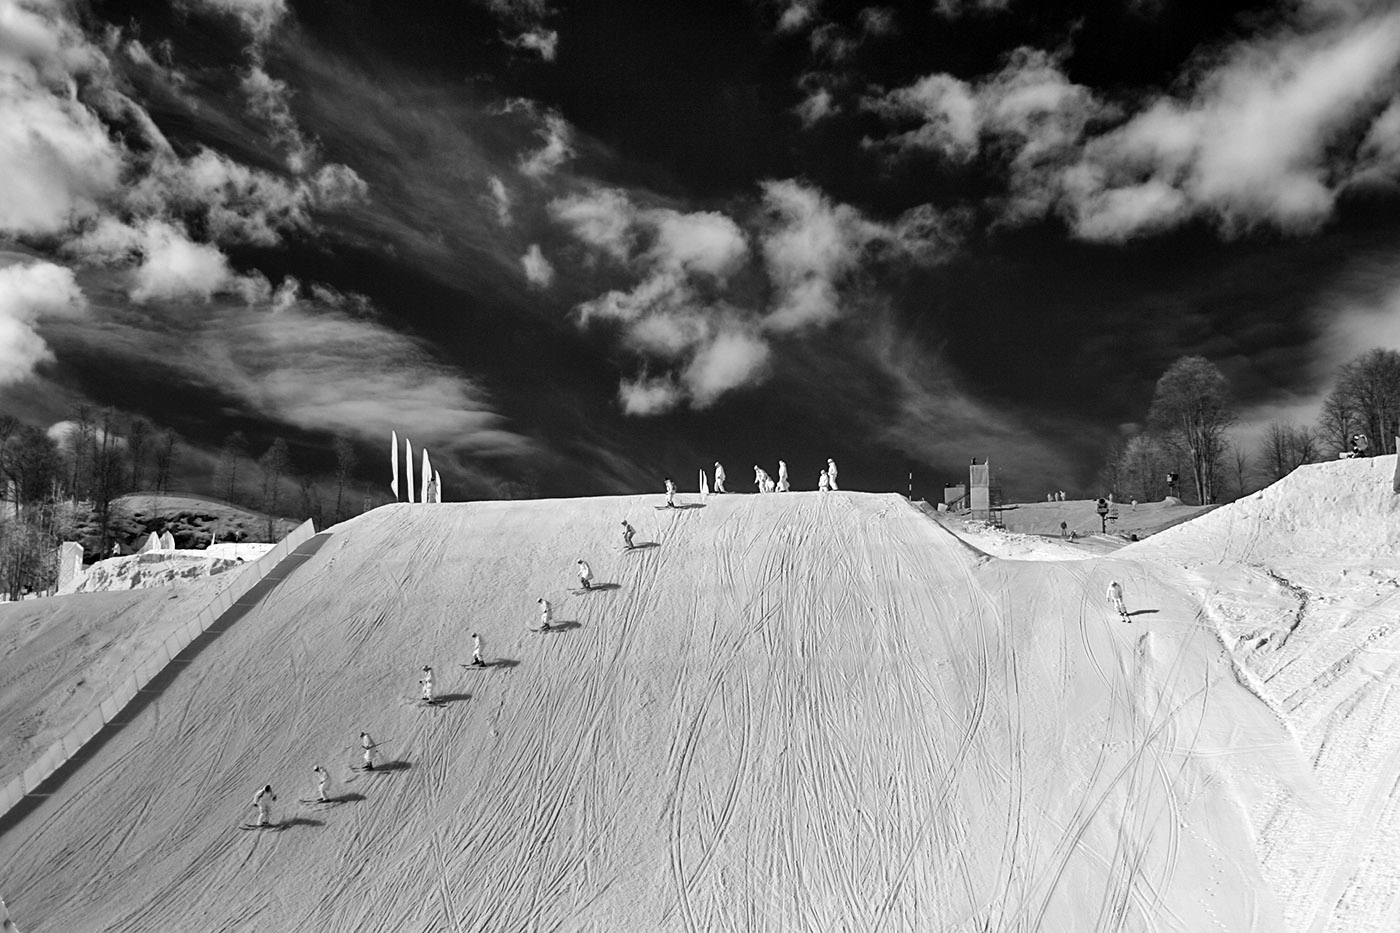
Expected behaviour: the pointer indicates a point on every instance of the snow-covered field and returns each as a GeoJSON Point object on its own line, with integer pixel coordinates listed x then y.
{"type": "Point", "coordinates": [795, 712]}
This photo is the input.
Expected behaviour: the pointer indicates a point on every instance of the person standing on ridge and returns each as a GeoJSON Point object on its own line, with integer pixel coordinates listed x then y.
{"type": "Point", "coordinates": [427, 684]}
{"type": "Point", "coordinates": [585, 575]}
{"type": "Point", "coordinates": [783, 484]}
{"type": "Point", "coordinates": [831, 473]}
{"type": "Point", "coordinates": [719, 477]}
{"type": "Point", "coordinates": [368, 745]}
{"type": "Point", "coordinates": [477, 659]}
{"type": "Point", "coordinates": [264, 800]}
{"type": "Point", "coordinates": [670, 493]}
{"type": "Point", "coordinates": [1115, 595]}
{"type": "Point", "coordinates": [546, 612]}
{"type": "Point", "coordinates": [627, 532]}
{"type": "Point", "coordinates": [322, 779]}
{"type": "Point", "coordinates": [824, 482]}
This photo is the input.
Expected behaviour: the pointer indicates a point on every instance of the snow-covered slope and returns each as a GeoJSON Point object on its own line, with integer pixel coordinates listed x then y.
{"type": "Point", "coordinates": [801, 711]}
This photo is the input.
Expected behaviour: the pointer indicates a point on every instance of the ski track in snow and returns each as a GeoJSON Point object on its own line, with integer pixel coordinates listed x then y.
{"type": "Point", "coordinates": [798, 711]}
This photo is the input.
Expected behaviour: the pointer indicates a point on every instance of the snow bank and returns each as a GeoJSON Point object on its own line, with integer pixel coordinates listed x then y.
{"type": "Point", "coordinates": [148, 569]}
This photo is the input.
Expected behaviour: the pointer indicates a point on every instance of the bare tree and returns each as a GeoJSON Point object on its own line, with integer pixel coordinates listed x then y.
{"type": "Point", "coordinates": [1241, 469]}
{"type": "Point", "coordinates": [138, 436]}
{"type": "Point", "coordinates": [1191, 407]}
{"type": "Point", "coordinates": [235, 446]}
{"type": "Point", "coordinates": [1336, 421]}
{"type": "Point", "coordinates": [274, 462]}
{"type": "Point", "coordinates": [1287, 447]}
{"type": "Point", "coordinates": [165, 459]}
{"type": "Point", "coordinates": [344, 465]}
{"type": "Point", "coordinates": [1370, 386]}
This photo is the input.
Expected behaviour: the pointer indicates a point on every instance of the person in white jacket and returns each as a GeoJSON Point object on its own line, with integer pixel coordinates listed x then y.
{"type": "Point", "coordinates": [719, 477]}
{"type": "Point", "coordinates": [263, 800]}
{"type": "Point", "coordinates": [831, 473]}
{"type": "Point", "coordinates": [368, 744]}
{"type": "Point", "coordinates": [627, 532]}
{"type": "Point", "coordinates": [1115, 596]}
{"type": "Point", "coordinates": [824, 482]}
{"type": "Point", "coordinates": [322, 779]}
{"type": "Point", "coordinates": [585, 575]}
{"type": "Point", "coordinates": [546, 613]}
{"type": "Point", "coordinates": [427, 684]}
{"type": "Point", "coordinates": [670, 493]}
{"type": "Point", "coordinates": [477, 659]}
{"type": "Point", "coordinates": [783, 484]}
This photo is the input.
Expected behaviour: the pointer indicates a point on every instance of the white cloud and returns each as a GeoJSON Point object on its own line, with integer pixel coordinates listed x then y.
{"type": "Point", "coordinates": [501, 199]}
{"type": "Point", "coordinates": [810, 247]}
{"type": "Point", "coordinates": [878, 21]}
{"type": "Point", "coordinates": [601, 218]}
{"type": "Point", "coordinates": [953, 9]}
{"type": "Point", "coordinates": [29, 292]}
{"type": "Point", "coordinates": [540, 40]}
{"type": "Point", "coordinates": [817, 106]}
{"type": "Point", "coordinates": [732, 358]}
{"type": "Point", "coordinates": [57, 160]}
{"type": "Point", "coordinates": [1266, 131]}
{"type": "Point", "coordinates": [703, 241]}
{"type": "Point", "coordinates": [796, 15]}
{"type": "Point", "coordinates": [269, 100]}
{"type": "Point", "coordinates": [556, 150]}
{"type": "Point", "coordinates": [648, 396]}
{"type": "Point", "coordinates": [173, 266]}
{"type": "Point", "coordinates": [539, 272]}
{"type": "Point", "coordinates": [259, 17]}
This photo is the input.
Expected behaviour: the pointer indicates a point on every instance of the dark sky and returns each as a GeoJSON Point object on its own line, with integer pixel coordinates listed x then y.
{"type": "Point", "coordinates": [572, 248]}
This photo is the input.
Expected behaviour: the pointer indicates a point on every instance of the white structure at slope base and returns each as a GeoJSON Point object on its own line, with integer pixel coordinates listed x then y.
{"type": "Point", "coordinates": [152, 543]}
{"type": "Point", "coordinates": [408, 465]}
{"type": "Point", "coordinates": [394, 463]}
{"type": "Point", "coordinates": [70, 562]}
{"type": "Point", "coordinates": [167, 541]}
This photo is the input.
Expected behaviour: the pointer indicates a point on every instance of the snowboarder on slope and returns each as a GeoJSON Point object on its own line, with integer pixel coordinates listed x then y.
{"type": "Point", "coordinates": [1115, 595]}
{"type": "Point", "coordinates": [367, 744]}
{"type": "Point", "coordinates": [546, 612]}
{"type": "Point", "coordinates": [476, 651]}
{"type": "Point", "coordinates": [670, 493]}
{"type": "Point", "coordinates": [831, 473]}
{"type": "Point", "coordinates": [719, 477]}
{"type": "Point", "coordinates": [427, 684]}
{"type": "Point", "coordinates": [585, 575]}
{"type": "Point", "coordinates": [824, 482]}
{"type": "Point", "coordinates": [322, 779]}
{"type": "Point", "coordinates": [627, 532]}
{"type": "Point", "coordinates": [263, 800]}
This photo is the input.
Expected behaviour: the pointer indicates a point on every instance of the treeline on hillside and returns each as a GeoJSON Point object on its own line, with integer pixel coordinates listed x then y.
{"type": "Point", "coordinates": [65, 484]}
{"type": "Point", "coordinates": [1189, 422]}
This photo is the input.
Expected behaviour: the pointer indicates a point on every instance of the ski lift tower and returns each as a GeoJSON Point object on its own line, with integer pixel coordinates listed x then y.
{"type": "Point", "coordinates": [984, 493]}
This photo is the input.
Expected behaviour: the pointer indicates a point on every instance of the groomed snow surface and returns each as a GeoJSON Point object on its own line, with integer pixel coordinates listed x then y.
{"type": "Point", "coordinates": [794, 712]}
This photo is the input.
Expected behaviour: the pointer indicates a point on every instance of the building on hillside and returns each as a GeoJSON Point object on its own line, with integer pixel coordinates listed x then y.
{"type": "Point", "coordinates": [984, 499]}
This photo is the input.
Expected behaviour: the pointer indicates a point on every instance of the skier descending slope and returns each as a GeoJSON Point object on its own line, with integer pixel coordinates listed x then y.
{"type": "Point", "coordinates": [1115, 596]}
{"type": "Point", "coordinates": [627, 532]}
{"type": "Point", "coordinates": [322, 779]}
{"type": "Point", "coordinates": [831, 473]}
{"type": "Point", "coordinates": [546, 613]}
{"type": "Point", "coordinates": [368, 744]}
{"type": "Point", "coordinates": [263, 800]}
{"type": "Point", "coordinates": [585, 575]}
{"type": "Point", "coordinates": [427, 684]}
{"type": "Point", "coordinates": [719, 477]}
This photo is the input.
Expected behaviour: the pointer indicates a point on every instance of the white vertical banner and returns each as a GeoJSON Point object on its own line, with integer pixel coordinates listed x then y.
{"type": "Point", "coordinates": [704, 486]}
{"type": "Point", "coordinates": [427, 477]}
{"type": "Point", "coordinates": [437, 485]}
{"type": "Point", "coordinates": [408, 465]}
{"type": "Point", "coordinates": [394, 462]}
